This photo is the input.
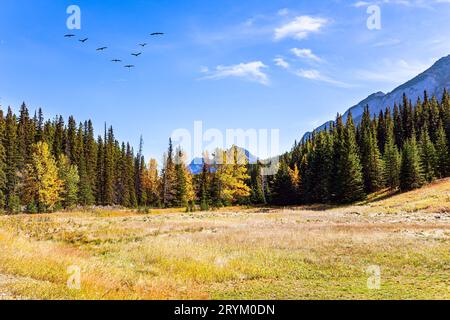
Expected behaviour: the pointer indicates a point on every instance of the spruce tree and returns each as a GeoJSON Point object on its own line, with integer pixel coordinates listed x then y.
{"type": "Point", "coordinates": [131, 177]}
{"type": "Point", "coordinates": [2, 162]}
{"type": "Point", "coordinates": [109, 164]}
{"type": "Point", "coordinates": [381, 131]}
{"type": "Point", "coordinates": [169, 192]}
{"type": "Point", "coordinates": [283, 191]}
{"type": "Point", "coordinates": [411, 171]}
{"type": "Point", "coordinates": [442, 153]}
{"type": "Point", "coordinates": [68, 174]}
{"type": "Point", "coordinates": [392, 160]}
{"type": "Point", "coordinates": [205, 185]}
{"type": "Point", "coordinates": [349, 184]}
{"type": "Point", "coordinates": [256, 183]}
{"type": "Point", "coordinates": [428, 156]}
{"type": "Point", "coordinates": [370, 155]}
{"type": "Point", "coordinates": [398, 127]}
{"type": "Point", "coordinates": [90, 167]}
{"type": "Point", "coordinates": [11, 162]}
{"type": "Point", "coordinates": [321, 169]}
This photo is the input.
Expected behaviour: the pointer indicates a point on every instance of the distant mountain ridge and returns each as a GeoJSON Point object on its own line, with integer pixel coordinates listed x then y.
{"type": "Point", "coordinates": [196, 165]}
{"type": "Point", "coordinates": [434, 81]}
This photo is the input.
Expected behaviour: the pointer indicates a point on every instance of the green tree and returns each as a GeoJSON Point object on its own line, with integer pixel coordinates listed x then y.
{"type": "Point", "coordinates": [411, 170]}
{"type": "Point", "coordinates": [392, 161]}
{"type": "Point", "coordinates": [321, 168]}
{"type": "Point", "coordinates": [428, 156]}
{"type": "Point", "coordinates": [372, 163]}
{"type": "Point", "coordinates": [169, 179]}
{"type": "Point", "coordinates": [349, 185]}
{"type": "Point", "coordinates": [442, 153]}
{"type": "Point", "coordinates": [68, 174]}
{"type": "Point", "coordinates": [2, 162]}
{"type": "Point", "coordinates": [283, 191]}
{"type": "Point", "coordinates": [184, 187]}
{"type": "Point", "coordinates": [11, 162]}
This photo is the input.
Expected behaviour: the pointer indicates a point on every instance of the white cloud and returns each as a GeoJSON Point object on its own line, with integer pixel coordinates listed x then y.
{"type": "Point", "coordinates": [300, 28]}
{"type": "Point", "coordinates": [283, 12]}
{"type": "Point", "coordinates": [280, 62]}
{"type": "Point", "coordinates": [361, 4]}
{"type": "Point", "coordinates": [251, 71]}
{"type": "Point", "coordinates": [204, 69]}
{"type": "Point", "coordinates": [316, 75]}
{"type": "Point", "coordinates": [387, 42]}
{"type": "Point", "coordinates": [391, 71]}
{"type": "Point", "coordinates": [407, 3]}
{"type": "Point", "coordinates": [305, 54]}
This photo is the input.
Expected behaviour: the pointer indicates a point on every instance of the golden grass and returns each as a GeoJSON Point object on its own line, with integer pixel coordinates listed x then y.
{"type": "Point", "coordinates": [311, 252]}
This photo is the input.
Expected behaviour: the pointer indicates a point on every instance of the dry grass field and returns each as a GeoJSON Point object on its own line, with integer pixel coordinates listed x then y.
{"type": "Point", "coordinates": [236, 253]}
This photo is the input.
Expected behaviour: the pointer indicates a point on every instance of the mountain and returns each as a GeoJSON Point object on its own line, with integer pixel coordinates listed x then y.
{"type": "Point", "coordinates": [196, 165]}
{"type": "Point", "coordinates": [434, 81]}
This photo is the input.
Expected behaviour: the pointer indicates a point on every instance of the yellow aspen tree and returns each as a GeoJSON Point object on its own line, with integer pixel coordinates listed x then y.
{"type": "Point", "coordinates": [42, 183]}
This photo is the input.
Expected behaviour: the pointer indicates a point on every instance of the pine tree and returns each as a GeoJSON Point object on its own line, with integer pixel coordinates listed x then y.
{"type": "Point", "coordinates": [411, 170]}
{"type": "Point", "coordinates": [85, 193]}
{"type": "Point", "coordinates": [445, 114]}
{"type": "Point", "coordinates": [11, 162]}
{"type": "Point", "coordinates": [321, 167]}
{"type": "Point", "coordinates": [349, 185]}
{"type": "Point", "coordinates": [25, 138]}
{"type": "Point", "coordinates": [169, 179]}
{"type": "Point", "coordinates": [256, 182]}
{"type": "Point", "coordinates": [68, 174]}
{"type": "Point", "coordinates": [2, 162]}
{"type": "Point", "coordinates": [428, 156]}
{"type": "Point", "coordinates": [58, 136]}
{"type": "Point", "coordinates": [109, 163]}
{"type": "Point", "coordinates": [283, 191]}
{"type": "Point", "coordinates": [370, 155]}
{"type": "Point", "coordinates": [131, 180]}
{"type": "Point", "coordinates": [142, 192]}
{"type": "Point", "coordinates": [184, 186]}
{"type": "Point", "coordinates": [434, 119]}
{"type": "Point", "coordinates": [392, 160]}
{"type": "Point", "coordinates": [381, 131]}
{"type": "Point", "coordinates": [100, 183]}
{"type": "Point", "coordinates": [407, 118]}
{"type": "Point", "coordinates": [139, 165]}
{"type": "Point", "coordinates": [88, 167]}
{"type": "Point", "coordinates": [40, 126]}
{"type": "Point", "coordinates": [442, 153]}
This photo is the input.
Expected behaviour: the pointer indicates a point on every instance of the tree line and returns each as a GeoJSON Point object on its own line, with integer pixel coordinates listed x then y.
{"type": "Point", "coordinates": [401, 149]}
{"type": "Point", "coordinates": [48, 165]}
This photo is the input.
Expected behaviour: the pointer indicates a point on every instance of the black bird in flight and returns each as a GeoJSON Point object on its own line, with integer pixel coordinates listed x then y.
{"type": "Point", "coordinates": [102, 48]}
{"type": "Point", "coordinates": [136, 54]}
{"type": "Point", "coordinates": [83, 40]}
{"type": "Point", "coordinates": [157, 34]}
{"type": "Point", "coordinates": [129, 66]}
{"type": "Point", "coordinates": [142, 44]}
{"type": "Point", "coordinates": [116, 60]}
{"type": "Point", "coordinates": [69, 36]}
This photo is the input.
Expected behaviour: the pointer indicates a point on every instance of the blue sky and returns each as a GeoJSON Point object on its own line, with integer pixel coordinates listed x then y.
{"type": "Point", "coordinates": [288, 65]}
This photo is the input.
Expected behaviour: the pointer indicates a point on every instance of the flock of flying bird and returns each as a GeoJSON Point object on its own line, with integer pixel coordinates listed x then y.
{"type": "Point", "coordinates": [129, 66]}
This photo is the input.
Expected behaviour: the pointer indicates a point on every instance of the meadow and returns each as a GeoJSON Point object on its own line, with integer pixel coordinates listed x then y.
{"type": "Point", "coordinates": [311, 252]}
